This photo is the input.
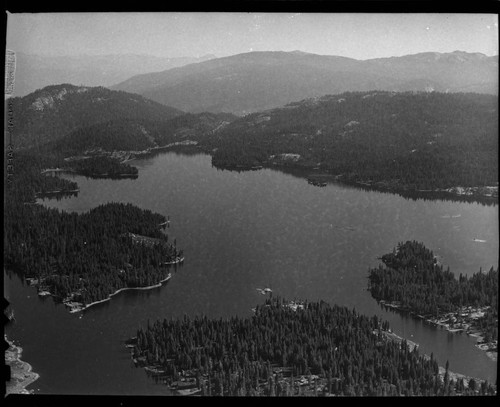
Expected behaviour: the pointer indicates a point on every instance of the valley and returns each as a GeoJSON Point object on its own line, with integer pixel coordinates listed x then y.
{"type": "Point", "coordinates": [149, 213]}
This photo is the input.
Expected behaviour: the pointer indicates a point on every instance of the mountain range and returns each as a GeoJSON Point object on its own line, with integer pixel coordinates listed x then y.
{"type": "Point", "coordinates": [415, 140]}
{"type": "Point", "coordinates": [37, 71]}
{"type": "Point", "coordinates": [256, 81]}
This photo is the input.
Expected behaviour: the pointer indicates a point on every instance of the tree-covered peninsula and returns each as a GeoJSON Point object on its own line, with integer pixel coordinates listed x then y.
{"type": "Point", "coordinates": [290, 348]}
{"type": "Point", "coordinates": [410, 279]}
{"type": "Point", "coordinates": [80, 258]}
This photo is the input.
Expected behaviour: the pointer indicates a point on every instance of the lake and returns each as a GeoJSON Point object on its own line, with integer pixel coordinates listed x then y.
{"type": "Point", "coordinates": [239, 232]}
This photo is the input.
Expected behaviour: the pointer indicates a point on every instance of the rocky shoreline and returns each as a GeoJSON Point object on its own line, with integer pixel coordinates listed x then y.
{"type": "Point", "coordinates": [21, 373]}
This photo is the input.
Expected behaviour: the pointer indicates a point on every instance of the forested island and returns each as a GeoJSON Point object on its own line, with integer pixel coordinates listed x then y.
{"type": "Point", "coordinates": [80, 259]}
{"type": "Point", "coordinates": [291, 348]}
{"type": "Point", "coordinates": [411, 280]}
{"type": "Point", "coordinates": [103, 167]}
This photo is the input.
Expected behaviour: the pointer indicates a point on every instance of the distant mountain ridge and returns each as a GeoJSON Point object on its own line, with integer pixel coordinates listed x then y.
{"type": "Point", "coordinates": [37, 71]}
{"type": "Point", "coordinates": [54, 111]}
{"type": "Point", "coordinates": [256, 81]}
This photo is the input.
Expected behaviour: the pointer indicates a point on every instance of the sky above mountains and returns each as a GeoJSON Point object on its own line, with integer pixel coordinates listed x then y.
{"type": "Point", "coordinates": [354, 35]}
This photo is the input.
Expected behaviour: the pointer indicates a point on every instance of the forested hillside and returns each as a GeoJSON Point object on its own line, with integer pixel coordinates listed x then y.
{"type": "Point", "coordinates": [413, 141]}
{"type": "Point", "coordinates": [189, 126]}
{"type": "Point", "coordinates": [124, 135]}
{"type": "Point", "coordinates": [138, 134]}
{"type": "Point", "coordinates": [52, 112]}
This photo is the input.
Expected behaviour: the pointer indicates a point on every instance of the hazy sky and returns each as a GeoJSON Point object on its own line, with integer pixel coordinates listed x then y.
{"type": "Point", "coordinates": [356, 35]}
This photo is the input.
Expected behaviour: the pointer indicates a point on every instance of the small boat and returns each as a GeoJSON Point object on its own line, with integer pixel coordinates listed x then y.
{"type": "Point", "coordinates": [268, 290]}
{"type": "Point", "coordinates": [479, 240]}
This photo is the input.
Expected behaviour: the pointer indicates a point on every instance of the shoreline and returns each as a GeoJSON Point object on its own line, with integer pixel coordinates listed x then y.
{"type": "Point", "coordinates": [442, 371]}
{"type": "Point", "coordinates": [177, 260]}
{"type": "Point", "coordinates": [42, 194]}
{"type": "Point", "coordinates": [491, 348]}
{"type": "Point", "coordinates": [481, 193]}
{"type": "Point", "coordinates": [76, 306]}
{"type": "Point", "coordinates": [22, 374]}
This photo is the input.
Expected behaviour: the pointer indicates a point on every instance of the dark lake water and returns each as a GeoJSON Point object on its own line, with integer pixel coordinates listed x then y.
{"type": "Point", "coordinates": [239, 232]}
